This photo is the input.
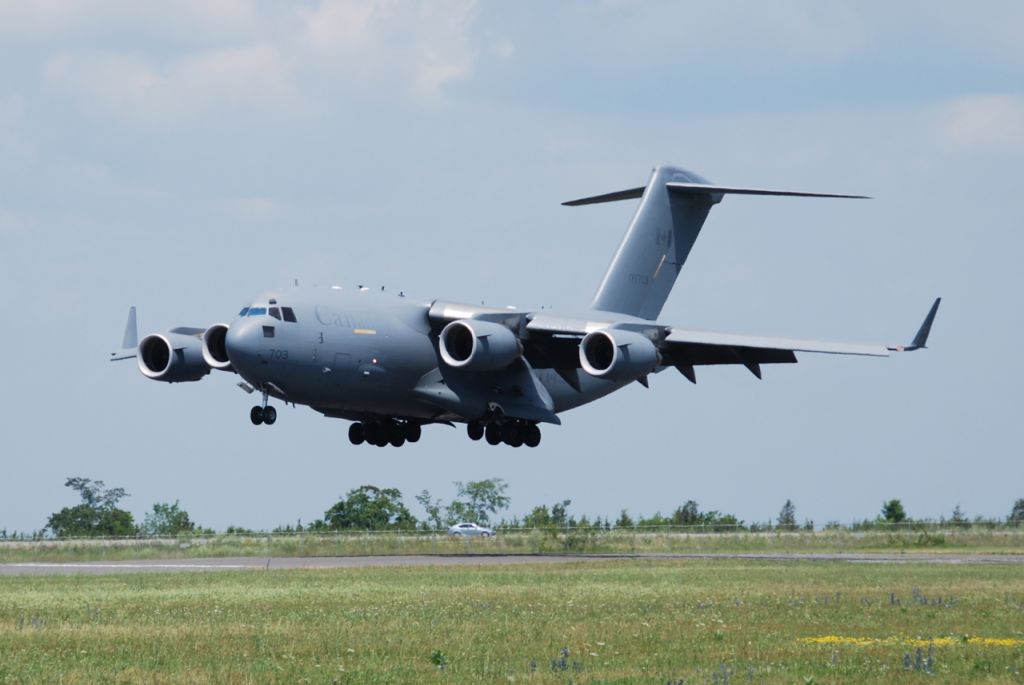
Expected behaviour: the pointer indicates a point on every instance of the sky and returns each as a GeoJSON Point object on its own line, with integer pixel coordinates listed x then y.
{"type": "Point", "coordinates": [185, 156]}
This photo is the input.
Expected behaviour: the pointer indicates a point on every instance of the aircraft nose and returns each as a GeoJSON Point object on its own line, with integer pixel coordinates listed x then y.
{"type": "Point", "coordinates": [242, 344]}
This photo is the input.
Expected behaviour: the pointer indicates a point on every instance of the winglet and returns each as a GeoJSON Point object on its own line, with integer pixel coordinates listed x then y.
{"type": "Point", "coordinates": [130, 341]}
{"type": "Point", "coordinates": [921, 339]}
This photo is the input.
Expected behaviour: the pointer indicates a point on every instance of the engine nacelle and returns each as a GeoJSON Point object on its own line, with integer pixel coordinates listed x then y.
{"type": "Point", "coordinates": [617, 355]}
{"type": "Point", "coordinates": [479, 345]}
{"type": "Point", "coordinates": [172, 358]}
{"type": "Point", "coordinates": [215, 352]}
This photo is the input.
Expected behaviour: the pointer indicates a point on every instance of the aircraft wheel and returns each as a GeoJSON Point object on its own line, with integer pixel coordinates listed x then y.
{"type": "Point", "coordinates": [413, 431]}
{"type": "Point", "coordinates": [356, 435]}
{"type": "Point", "coordinates": [397, 440]}
{"type": "Point", "coordinates": [256, 415]}
{"type": "Point", "coordinates": [493, 434]}
{"type": "Point", "coordinates": [373, 433]}
{"type": "Point", "coordinates": [393, 430]}
{"type": "Point", "coordinates": [269, 416]}
{"type": "Point", "coordinates": [475, 430]}
{"type": "Point", "coordinates": [531, 437]}
{"type": "Point", "coordinates": [510, 434]}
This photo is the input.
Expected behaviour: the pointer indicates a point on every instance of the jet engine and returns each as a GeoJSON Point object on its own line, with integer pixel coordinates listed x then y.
{"type": "Point", "coordinates": [618, 355]}
{"type": "Point", "coordinates": [215, 353]}
{"type": "Point", "coordinates": [479, 345]}
{"type": "Point", "coordinates": [172, 358]}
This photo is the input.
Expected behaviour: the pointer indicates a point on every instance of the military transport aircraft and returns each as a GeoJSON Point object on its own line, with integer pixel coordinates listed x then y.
{"type": "Point", "coordinates": [391, 364]}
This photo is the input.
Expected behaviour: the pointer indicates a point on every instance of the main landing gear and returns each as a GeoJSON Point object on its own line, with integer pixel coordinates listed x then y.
{"type": "Point", "coordinates": [261, 413]}
{"type": "Point", "coordinates": [512, 432]}
{"type": "Point", "coordinates": [383, 433]}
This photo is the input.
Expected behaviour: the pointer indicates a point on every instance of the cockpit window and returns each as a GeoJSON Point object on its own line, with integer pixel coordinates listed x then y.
{"type": "Point", "coordinates": [257, 311]}
{"type": "Point", "coordinates": [276, 313]}
{"type": "Point", "coordinates": [245, 310]}
{"type": "Point", "coordinates": [289, 314]}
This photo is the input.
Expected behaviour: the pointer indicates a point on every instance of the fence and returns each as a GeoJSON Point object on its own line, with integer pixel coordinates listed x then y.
{"type": "Point", "coordinates": [666, 529]}
{"type": "Point", "coordinates": [914, 537]}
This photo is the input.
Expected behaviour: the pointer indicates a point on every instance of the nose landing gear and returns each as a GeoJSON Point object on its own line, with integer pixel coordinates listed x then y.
{"type": "Point", "coordinates": [262, 414]}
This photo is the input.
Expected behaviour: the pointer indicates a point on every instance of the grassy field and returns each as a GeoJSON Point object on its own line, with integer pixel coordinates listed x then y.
{"type": "Point", "coordinates": [691, 621]}
{"type": "Point", "coordinates": [1003, 540]}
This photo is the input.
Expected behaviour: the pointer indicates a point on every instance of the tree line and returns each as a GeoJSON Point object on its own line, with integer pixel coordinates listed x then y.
{"type": "Point", "coordinates": [369, 507]}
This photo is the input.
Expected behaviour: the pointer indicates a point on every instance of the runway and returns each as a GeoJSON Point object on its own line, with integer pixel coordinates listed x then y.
{"type": "Point", "coordinates": [289, 563]}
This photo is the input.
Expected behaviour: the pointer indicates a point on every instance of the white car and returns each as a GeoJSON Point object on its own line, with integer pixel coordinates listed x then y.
{"type": "Point", "coordinates": [467, 529]}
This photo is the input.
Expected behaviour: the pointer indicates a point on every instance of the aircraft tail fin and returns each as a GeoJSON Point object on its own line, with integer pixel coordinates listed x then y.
{"type": "Point", "coordinates": [673, 207]}
{"type": "Point", "coordinates": [130, 340]}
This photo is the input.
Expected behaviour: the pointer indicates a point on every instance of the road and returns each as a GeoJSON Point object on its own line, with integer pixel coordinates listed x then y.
{"type": "Point", "coordinates": [283, 563]}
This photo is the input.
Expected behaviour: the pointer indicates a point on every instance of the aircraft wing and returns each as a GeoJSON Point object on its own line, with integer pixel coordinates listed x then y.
{"type": "Point", "coordinates": [554, 343]}
{"type": "Point", "coordinates": [685, 349]}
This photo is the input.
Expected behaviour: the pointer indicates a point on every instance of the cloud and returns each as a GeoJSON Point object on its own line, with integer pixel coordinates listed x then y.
{"type": "Point", "coordinates": [188, 20]}
{"type": "Point", "coordinates": [135, 87]}
{"type": "Point", "coordinates": [994, 33]}
{"type": "Point", "coordinates": [424, 45]}
{"type": "Point", "coordinates": [10, 116]}
{"type": "Point", "coordinates": [15, 223]}
{"type": "Point", "coordinates": [724, 33]}
{"type": "Point", "coordinates": [266, 57]}
{"type": "Point", "coordinates": [984, 122]}
{"type": "Point", "coordinates": [251, 209]}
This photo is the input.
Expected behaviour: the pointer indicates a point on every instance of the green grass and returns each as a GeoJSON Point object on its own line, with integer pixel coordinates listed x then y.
{"type": "Point", "coordinates": [1004, 540]}
{"type": "Point", "coordinates": [695, 621]}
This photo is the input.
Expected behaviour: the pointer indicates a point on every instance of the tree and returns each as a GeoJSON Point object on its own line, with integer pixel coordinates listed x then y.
{"type": "Point", "coordinates": [958, 517]}
{"type": "Point", "coordinates": [719, 521]}
{"type": "Point", "coordinates": [167, 519]}
{"type": "Point", "coordinates": [787, 516]}
{"type": "Point", "coordinates": [624, 520]}
{"type": "Point", "coordinates": [478, 499]}
{"type": "Point", "coordinates": [435, 518]}
{"type": "Point", "coordinates": [370, 508]}
{"type": "Point", "coordinates": [97, 515]}
{"type": "Point", "coordinates": [892, 511]}
{"type": "Point", "coordinates": [687, 515]}
{"type": "Point", "coordinates": [540, 517]}
{"type": "Point", "coordinates": [1017, 514]}
{"type": "Point", "coordinates": [560, 514]}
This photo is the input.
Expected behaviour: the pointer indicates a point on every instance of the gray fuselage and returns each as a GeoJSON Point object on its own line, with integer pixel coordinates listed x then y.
{"type": "Point", "coordinates": [358, 353]}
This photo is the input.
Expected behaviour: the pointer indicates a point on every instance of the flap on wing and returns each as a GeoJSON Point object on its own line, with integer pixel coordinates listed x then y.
{"type": "Point", "coordinates": [697, 354]}
{"type": "Point", "coordinates": [709, 339]}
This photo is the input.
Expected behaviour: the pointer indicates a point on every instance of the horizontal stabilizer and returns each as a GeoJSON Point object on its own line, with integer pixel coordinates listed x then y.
{"type": "Point", "coordinates": [630, 194]}
{"type": "Point", "coordinates": [701, 189]}
{"type": "Point", "coordinates": [733, 190]}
